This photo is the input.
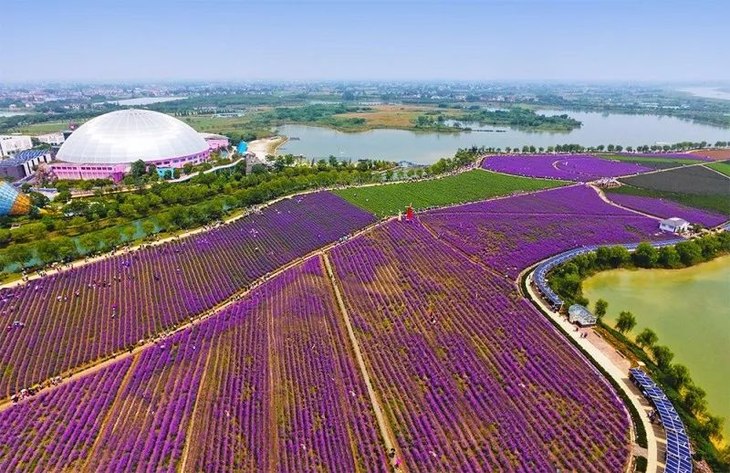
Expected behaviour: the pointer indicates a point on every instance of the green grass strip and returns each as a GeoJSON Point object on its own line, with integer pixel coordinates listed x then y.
{"type": "Point", "coordinates": [648, 160]}
{"type": "Point", "coordinates": [721, 166]}
{"type": "Point", "coordinates": [388, 199]}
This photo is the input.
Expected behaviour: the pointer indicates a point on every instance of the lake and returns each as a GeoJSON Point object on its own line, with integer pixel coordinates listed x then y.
{"type": "Point", "coordinates": [426, 147]}
{"type": "Point", "coordinates": [689, 309]}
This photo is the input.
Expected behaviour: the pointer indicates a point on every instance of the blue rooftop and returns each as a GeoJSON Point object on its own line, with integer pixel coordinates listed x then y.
{"type": "Point", "coordinates": [23, 157]}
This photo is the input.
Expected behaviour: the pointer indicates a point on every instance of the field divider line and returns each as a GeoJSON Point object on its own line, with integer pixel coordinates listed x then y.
{"type": "Point", "coordinates": [716, 171]}
{"type": "Point", "coordinates": [105, 420]}
{"type": "Point", "coordinates": [186, 448]}
{"type": "Point", "coordinates": [385, 429]}
{"type": "Point", "coordinates": [602, 195]}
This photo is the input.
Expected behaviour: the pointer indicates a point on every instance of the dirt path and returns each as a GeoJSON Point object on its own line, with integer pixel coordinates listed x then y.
{"type": "Point", "coordinates": [717, 172]}
{"type": "Point", "coordinates": [385, 430]}
{"type": "Point", "coordinates": [191, 425]}
{"type": "Point", "coordinates": [603, 197]}
{"type": "Point", "coordinates": [106, 421]}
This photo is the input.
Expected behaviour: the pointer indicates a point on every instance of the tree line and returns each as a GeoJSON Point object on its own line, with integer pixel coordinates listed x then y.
{"type": "Point", "coordinates": [566, 281]}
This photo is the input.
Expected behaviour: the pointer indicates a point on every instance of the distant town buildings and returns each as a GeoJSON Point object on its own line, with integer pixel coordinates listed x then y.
{"type": "Point", "coordinates": [12, 144]}
{"type": "Point", "coordinates": [51, 138]}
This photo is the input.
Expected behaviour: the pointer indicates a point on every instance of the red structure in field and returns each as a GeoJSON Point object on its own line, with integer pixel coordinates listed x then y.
{"type": "Point", "coordinates": [409, 213]}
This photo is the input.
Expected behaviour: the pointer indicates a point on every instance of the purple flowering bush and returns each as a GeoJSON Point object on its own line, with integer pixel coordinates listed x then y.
{"type": "Point", "coordinates": [666, 208]}
{"type": "Point", "coordinates": [57, 428]}
{"type": "Point", "coordinates": [570, 167]}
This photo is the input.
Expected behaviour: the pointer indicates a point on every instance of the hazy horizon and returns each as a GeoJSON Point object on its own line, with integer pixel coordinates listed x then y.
{"type": "Point", "coordinates": [496, 40]}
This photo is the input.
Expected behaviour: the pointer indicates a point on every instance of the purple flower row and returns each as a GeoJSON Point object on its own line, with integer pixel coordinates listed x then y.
{"type": "Point", "coordinates": [570, 167]}
{"type": "Point", "coordinates": [89, 312]}
{"type": "Point", "coordinates": [666, 208]}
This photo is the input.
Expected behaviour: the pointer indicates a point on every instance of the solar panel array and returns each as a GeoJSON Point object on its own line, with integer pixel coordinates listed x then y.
{"type": "Point", "coordinates": [23, 157]}
{"type": "Point", "coordinates": [540, 276]}
{"type": "Point", "coordinates": [679, 455]}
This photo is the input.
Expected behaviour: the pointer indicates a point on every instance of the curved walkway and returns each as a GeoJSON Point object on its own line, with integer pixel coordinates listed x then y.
{"type": "Point", "coordinates": [617, 373]}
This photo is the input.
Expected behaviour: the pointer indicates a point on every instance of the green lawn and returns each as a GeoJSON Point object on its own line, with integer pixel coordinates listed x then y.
{"type": "Point", "coordinates": [470, 186]}
{"type": "Point", "coordinates": [721, 166]}
{"type": "Point", "coordinates": [46, 127]}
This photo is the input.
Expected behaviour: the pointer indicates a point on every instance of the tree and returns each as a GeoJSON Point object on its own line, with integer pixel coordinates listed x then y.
{"type": "Point", "coordinates": [712, 426]}
{"type": "Point", "coordinates": [626, 322]}
{"type": "Point", "coordinates": [111, 237]}
{"type": "Point", "coordinates": [647, 338]}
{"type": "Point", "coordinates": [148, 227]}
{"type": "Point", "coordinates": [679, 376]}
{"type": "Point", "coordinates": [38, 200]}
{"type": "Point", "coordinates": [690, 253]}
{"type": "Point", "coordinates": [66, 248]}
{"type": "Point", "coordinates": [612, 256]}
{"type": "Point", "coordinates": [260, 168]}
{"type": "Point", "coordinates": [645, 256]}
{"type": "Point", "coordinates": [90, 242]}
{"type": "Point", "coordinates": [128, 232]}
{"type": "Point", "coordinates": [4, 236]}
{"type": "Point", "coordinates": [19, 254]}
{"type": "Point", "coordinates": [47, 251]}
{"type": "Point", "coordinates": [137, 169]}
{"type": "Point", "coordinates": [600, 309]}
{"type": "Point", "coordinates": [668, 257]}
{"type": "Point", "coordinates": [662, 355]}
{"type": "Point", "coordinates": [694, 399]}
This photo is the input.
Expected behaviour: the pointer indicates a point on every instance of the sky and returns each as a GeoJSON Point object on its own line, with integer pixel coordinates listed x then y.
{"type": "Point", "coordinates": [580, 40]}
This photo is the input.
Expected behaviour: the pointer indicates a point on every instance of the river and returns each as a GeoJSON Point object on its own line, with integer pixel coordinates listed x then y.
{"type": "Point", "coordinates": [426, 147]}
{"type": "Point", "coordinates": [689, 309]}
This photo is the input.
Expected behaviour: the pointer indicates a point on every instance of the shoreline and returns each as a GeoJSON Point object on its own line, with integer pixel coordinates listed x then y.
{"type": "Point", "coordinates": [266, 146]}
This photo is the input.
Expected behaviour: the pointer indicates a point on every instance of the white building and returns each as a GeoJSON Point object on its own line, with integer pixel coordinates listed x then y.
{"type": "Point", "coordinates": [674, 225]}
{"type": "Point", "coordinates": [51, 138]}
{"type": "Point", "coordinates": [11, 144]}
{"type": "Point", "coordinates": [577, 314]}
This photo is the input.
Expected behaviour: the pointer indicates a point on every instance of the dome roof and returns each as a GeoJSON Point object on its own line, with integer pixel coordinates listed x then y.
{"type": "Point", "coordinates": [126, 136]}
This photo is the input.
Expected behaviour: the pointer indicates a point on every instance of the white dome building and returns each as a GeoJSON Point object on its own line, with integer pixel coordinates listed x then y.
{"type": "Point", "coordinates": [106, 146]}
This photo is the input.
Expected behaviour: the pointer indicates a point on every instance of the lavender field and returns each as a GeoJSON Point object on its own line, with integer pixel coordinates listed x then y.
{"type": "Point", "coordinates": [471, 376]}
{"type": "Point", "coordinates": [269, 384]}
{"type": "Point", "coordinates": [569, 167]}
{"type": "Point", "coordinates": [83, 314]}
{"type": "Point", "coordinates": [666, 208]}
{"type": "Point", "coordinates": [511, 234]}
